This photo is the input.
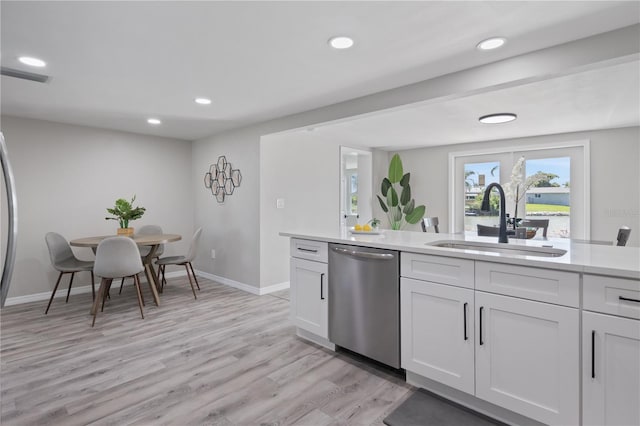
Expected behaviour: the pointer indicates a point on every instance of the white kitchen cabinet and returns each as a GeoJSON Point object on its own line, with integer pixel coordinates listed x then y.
{"type": "Point", "coordinates": [437, 332]}
{"type": "Point", "coordinates": [610, 370]}
{"type": "Point", "coordinates": [309, 296]}
{"type": "Point", "coordinates": [527, 357]}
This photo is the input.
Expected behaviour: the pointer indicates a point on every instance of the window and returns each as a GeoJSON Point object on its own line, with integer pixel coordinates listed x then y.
{"type": "Point", "coordinates": [476, 178]}
{"type": "Point", "coordinates": [549, 197]}
{"type": "Point", "coordinates": [559, 189]}
{"type": "Point", "coordinates": [354, 193]}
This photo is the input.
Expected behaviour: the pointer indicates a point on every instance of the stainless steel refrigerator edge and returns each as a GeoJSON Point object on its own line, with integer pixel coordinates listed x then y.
{"type": "Point", "coordinates": [364, 301]}
{"type": "Point", "coordinates": [12, 207]}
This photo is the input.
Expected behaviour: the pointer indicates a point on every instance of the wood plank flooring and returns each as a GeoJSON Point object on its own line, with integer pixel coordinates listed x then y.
{"type": "Point", "coordinates": [228, 358]}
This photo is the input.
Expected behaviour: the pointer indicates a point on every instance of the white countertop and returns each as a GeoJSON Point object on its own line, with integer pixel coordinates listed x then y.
{"type": "Point", "coordinates": [580, 257]}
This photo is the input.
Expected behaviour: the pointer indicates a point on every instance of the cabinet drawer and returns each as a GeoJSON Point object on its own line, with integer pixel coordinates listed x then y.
{"type": "Point", "coordinates": [617, 296]}
{"type": "Point", "coordinates": [308, 249]}
{"type": "Point", "coordinates": [437, 269]}
{"type": "Point", "coordinates": [544, 285]}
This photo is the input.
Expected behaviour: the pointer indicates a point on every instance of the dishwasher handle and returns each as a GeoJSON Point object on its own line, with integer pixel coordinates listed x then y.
{"type": "Point", "coordinates": [364, 254]}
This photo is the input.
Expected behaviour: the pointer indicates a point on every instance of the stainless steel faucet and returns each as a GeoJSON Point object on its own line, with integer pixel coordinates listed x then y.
{"type": "Point", "coordinates": [502, 236]}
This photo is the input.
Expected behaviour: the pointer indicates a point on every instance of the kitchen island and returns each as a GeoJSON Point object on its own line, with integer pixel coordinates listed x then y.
{"type": "Point", "coordinates": [527, 339]}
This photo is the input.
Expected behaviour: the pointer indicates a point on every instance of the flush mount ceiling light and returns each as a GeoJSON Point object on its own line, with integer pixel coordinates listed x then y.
{"type": "Point", "coordinates": [491, 43]}
{"type": "Point", "coordinates": [32, 62]}
{"type": "Point", "coordinates": [503, 117]}
{"type": "Point", "coordinates": [154, 121]}
{"type": "Point", "coordinates": [203, 101]}
{"type": "Point", "coordinates": [341, 42]}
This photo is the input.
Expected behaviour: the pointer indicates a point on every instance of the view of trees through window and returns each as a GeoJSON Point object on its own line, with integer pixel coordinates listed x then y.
{"type": "Point", "coordinates": [546, 193]}
{"type": "Point", "coordinates": [550, 195]}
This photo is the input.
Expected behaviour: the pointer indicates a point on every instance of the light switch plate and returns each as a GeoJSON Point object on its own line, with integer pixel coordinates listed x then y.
{"type": "Point", "coordinates": [213, 254]}
{"type": "Point", "coordinates": [280, 203]}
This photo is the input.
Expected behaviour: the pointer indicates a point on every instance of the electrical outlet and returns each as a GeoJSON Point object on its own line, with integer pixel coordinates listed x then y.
{"type": "Point", "coordinates": [213, 254]}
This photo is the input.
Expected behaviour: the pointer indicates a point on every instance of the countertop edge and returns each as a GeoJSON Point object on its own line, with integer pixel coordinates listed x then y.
{"type": "Point", "coordinates": [575, 264]}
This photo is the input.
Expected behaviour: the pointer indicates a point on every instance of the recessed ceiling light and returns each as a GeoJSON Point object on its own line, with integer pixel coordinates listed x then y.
{"type": "Point", "coordinates": [203, 101]}
{"type": "Point", "coordinates": [503, 117]}
{"type": "Point", "coordinates": [491, 43]}
{"type": "Point", "coordinates": [33, 62]}
{"type": "Point", "coordinates": [341, 42]}
{"type": "Point", "coordinates": [154, 121]}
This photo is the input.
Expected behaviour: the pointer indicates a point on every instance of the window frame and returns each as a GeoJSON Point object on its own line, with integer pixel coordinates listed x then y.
{"type": "Point", "coordinates": [454, 181]}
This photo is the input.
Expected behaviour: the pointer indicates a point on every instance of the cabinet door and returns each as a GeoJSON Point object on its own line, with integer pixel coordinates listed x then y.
{"type": "Point", "coordinates": [436, 341]}
{"type": "Point", "coordinates": [309, 309]}
{"type": "Point", "coordinates": [611, 370]}
{"type": "Point", "coordinates": [527, 357]}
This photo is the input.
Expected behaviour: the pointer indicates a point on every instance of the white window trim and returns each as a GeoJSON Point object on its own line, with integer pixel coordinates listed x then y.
{"type": "Point", "coordinates": [585, 144]}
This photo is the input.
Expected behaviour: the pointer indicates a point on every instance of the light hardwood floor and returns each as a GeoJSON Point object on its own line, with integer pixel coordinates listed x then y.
{"type": "Point", "coordinates": [228, 358]}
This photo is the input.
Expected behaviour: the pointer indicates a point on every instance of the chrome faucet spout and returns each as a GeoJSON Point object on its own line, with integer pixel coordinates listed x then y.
{"type": "Point", "coordinates": [502, 236]}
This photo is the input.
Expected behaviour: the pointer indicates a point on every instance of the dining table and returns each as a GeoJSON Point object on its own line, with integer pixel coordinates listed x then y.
{"type": "Point", "coordinates": [153, 241]}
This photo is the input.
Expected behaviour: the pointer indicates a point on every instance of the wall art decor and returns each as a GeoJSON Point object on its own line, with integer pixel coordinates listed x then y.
{"type": "Point", "coordinates": [222, 179]}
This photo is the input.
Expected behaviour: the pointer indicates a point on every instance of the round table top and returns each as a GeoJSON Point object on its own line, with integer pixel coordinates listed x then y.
{"type": "Point", "coordinates": [141, 240]}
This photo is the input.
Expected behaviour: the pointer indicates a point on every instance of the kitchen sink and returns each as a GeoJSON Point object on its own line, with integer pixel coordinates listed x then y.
{"type": "Point", "coordinates": [505, 249]}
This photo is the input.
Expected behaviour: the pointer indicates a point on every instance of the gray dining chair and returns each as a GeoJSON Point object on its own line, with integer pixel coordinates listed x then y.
{"type": "Point", "coordinates": [116, 257]}
{"type": "Point", "coordinates": [183, 260]}
{"type": "Point", "coordinates": [145, 250]}
{"type": "Point", "coordinates": [430, 222]}
{"type": "Point", "coordinates": [536, 223]}
{"type": "Point", "coordinates": [64, 261]}
{"type": "Point", "coordinates": [487, 231]}
{"type": "Point", "coordinates": [623, 236]}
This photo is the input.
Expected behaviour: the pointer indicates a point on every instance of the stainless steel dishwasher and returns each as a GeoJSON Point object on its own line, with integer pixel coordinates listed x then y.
{"type": "Point", "coordinates": [364, 301]}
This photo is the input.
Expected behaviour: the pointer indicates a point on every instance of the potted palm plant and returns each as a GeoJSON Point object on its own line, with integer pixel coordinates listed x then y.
{"type": "Point", "coordinates": [125, 212]}
{"type": "Point", "coordinates": [400, 210]}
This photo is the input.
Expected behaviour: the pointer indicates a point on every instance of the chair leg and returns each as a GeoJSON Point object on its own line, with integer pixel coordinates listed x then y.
{"type": "Point", "coordinates": [163, 281]}
{"type": "Point", "coordinates": [141, 294]}
{"type": "Point", "coordinates": [193, 289]}
{"type": "Point", "coordinates": [70, 283]}
{"type": "Point", "coordinates": [136, 281]}
{"type": "Point", "coordinates": [107, 290]}
{"type": "Point", "coordinates": [101, 295]}
{"type": "Point", "coordinates": [54, 292]}
{"type": "Point", "coordinates": [93, 287]}
{"type": "Point", "coordinates": [194, 275]}
{"type": "Point", "coordinates": [121, 285]}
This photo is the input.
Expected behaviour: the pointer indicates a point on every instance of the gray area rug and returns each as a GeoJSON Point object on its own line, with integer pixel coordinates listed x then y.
{"type": "Point", "coordinates": [424, 408]}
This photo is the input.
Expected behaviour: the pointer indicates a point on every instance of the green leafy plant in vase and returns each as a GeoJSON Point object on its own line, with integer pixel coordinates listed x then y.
{"type": "Point", "coordinates": [400, 209]}
{"type": "Point", "coordinates": [125, 212]}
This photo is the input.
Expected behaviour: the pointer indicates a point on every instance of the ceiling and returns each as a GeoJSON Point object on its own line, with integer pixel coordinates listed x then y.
{"type": "Point", "coordinates": [603, 98]}
{"type": "Point", "coordinates": [114, 64]}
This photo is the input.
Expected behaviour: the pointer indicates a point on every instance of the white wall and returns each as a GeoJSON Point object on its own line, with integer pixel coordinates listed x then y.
{"type": "Point", "coordinates": [305, 172]}
{"type": "Point", "coordinates": [232, 228]}
{"type": "Point", "coordinates": [615, 177]}
{"type": "Point", "coordinates": [66, 177]}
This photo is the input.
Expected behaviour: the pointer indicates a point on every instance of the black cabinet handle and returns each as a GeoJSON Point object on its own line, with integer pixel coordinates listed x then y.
{"type": "Point", "coordinates": [307, 250]}
{"type": "Point", "coordinates": [322, 286]}
{"type": "Point", "coordinates": [481, 341]}
{"type": "Point", "coordinates": [464, 314]}
{"type": "Point", "coordinates": [593, 354]}
{"type": "Point", "coordinates": [628, 299]}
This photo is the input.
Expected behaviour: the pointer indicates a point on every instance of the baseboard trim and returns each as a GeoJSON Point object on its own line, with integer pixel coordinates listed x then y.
{"type": "Point", "coordinates": [62, 290]}
{"type": "Point", "coordinates": [274, 287]}
{"type": "Point", "coordinates": [258, 291]}
{"type": "Point", "coordinates": [315, 339]}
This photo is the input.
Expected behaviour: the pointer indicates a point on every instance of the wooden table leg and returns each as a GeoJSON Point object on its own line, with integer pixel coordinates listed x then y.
{"type": "Point", "coordinates": [152, 278]}
{"type": "Point", "coordinates": [148, 270]}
